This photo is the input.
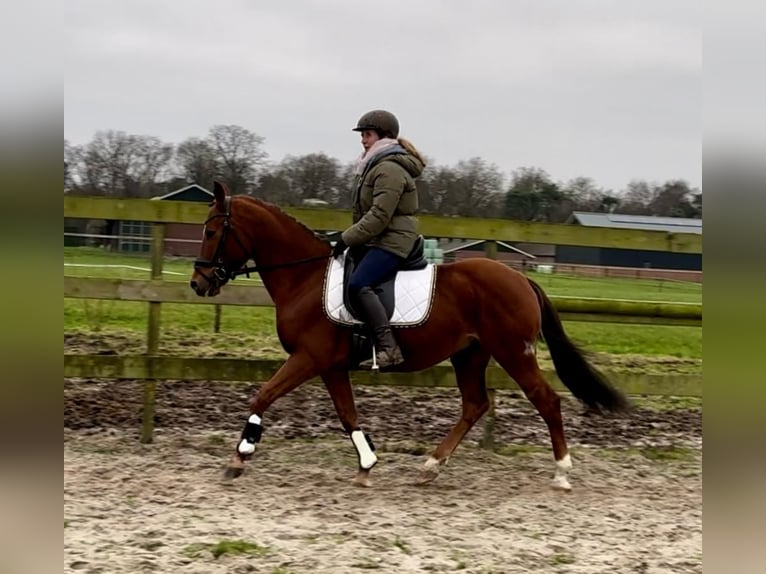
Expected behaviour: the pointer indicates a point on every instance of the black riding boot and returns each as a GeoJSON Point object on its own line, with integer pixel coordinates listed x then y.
{"type": "Point", "coordinates": [387, 352]}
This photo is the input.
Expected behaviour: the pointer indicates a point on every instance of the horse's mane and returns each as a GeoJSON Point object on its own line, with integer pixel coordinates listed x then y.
{"type": "Point", "coordinates": [283, 214]}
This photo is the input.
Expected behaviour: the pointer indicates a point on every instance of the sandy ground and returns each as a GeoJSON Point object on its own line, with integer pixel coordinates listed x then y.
{"type": "Point", "coordinates": [636, 505]}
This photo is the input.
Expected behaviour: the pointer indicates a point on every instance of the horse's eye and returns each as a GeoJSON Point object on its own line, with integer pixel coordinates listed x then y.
{"type": "Point", "coordinates": [209, 233]}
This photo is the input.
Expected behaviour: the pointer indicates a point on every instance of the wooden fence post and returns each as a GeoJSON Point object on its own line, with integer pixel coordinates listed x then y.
{"type": "Point", "coordinates": [217, 319]}
{"type": "Point", "coordinates": [490, 249]}
{"type": "Point", "coordinates": [153, 333]}
{"type": "Point", "coordinates": [488, 437]}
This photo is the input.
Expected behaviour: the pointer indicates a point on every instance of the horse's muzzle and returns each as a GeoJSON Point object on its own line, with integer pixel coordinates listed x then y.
{"type": "Point", "coordinates": [204, 287]}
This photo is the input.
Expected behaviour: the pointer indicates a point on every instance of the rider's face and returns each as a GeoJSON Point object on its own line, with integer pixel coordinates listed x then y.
{"type": "Point", "coordinates": [369, 137]}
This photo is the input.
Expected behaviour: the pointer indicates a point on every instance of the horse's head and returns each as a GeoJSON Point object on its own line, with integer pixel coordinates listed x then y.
{"type": "Point", "coordinates": [222, 252]}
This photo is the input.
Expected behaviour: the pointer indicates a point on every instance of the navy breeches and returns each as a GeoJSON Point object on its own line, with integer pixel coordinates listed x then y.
{"type": "Point", "coordinates": [376, 266]}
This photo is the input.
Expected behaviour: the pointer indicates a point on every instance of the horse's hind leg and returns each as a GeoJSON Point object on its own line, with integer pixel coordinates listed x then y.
{"type": "Point", "coordinates": [470, 368]}
{"type": "Point", "coordinates": [339, 387]}
{"type": "Point", "coordinates": [521, 364]}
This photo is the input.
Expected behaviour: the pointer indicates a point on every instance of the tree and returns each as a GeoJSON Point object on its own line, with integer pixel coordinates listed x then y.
{"type": "Point", "coordinates": [196, 162]}
{"type": "Point", "coordinates": [106, 163]}
{"type": "Point", "coordinates": [533, 196]}
{"type": "Point", "coordinates": [151, 166]}
{"type": "Point", "coordinates": [637, 198]}
{"type": "Point", "coordinates": [240, 155]}
{"type": "Point", "coordinates": [346, 186]}
{"type": "Point", "coordinates": [274, 188]}
{"type": "Point", "coordinates": [674, 199]}
{"type": "Point", "coordinates": [72, 155]}
{"type": "Point", "coordinates": [312, 176]}
{"type": "Point", "coordinates": [585, 195]}
{"type": "Point", "coordinates": [117, 164]}
{"type": "Point", "coordinates": [470, 188]}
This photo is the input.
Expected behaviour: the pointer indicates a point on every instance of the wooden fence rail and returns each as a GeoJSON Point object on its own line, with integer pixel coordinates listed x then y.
{"type": "Point", "coordinates": [570, 308]}
{"type": "Point", "coordinates": [152, 367]}
{"type": "Point", "coordinates": [430, 225]}
{"type": "Point", "coordinates": [143, 367]}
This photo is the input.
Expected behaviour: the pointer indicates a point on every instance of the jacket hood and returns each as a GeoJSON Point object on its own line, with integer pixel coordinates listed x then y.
{"type": "Point", "coordinates": [409, 162]}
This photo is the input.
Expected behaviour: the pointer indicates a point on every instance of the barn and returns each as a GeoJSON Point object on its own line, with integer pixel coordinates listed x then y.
{"type": "Point", "coordinates": [515, 255]}
{"type": "Point", "coordinates": [635, 258]}
{"type": "Point", "coordinates": [182, 239]}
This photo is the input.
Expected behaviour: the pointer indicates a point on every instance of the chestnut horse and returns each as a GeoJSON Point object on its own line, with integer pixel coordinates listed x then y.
{"type": "Point", "coordinates": [481, 309]}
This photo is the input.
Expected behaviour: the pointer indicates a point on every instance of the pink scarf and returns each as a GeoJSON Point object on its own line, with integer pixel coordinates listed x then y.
{"type": "Point", "coordinates": [375, 149]}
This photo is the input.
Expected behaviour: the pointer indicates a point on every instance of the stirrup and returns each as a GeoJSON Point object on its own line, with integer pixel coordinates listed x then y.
{"type": "Point", "coordinates": [374, 365]}
{"type": "Point", "coordinates": [371, 363]}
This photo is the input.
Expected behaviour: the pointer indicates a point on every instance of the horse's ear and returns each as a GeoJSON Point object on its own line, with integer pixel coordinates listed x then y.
{"type": "Point", "coordinates": [220, 191]}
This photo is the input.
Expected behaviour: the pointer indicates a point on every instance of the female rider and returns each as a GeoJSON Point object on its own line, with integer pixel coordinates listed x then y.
{"type": "Point", "coordinates": [384, 228]}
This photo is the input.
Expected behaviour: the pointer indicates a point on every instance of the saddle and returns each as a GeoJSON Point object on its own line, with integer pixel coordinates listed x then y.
{"type": "Point", "coordinates": [385, 290]}
{"type": "Point", "coordinates": [406, 297]}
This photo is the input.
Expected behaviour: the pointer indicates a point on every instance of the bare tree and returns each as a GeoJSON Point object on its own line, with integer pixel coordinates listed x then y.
{"type": "Point", "coordinates": [106, 163]}
{"type": "Point", "coordinates": [585, 195]}
{"type": "Point", "coordinates": [117, 164]}
{"type": "Point", "coordinates": [72, 155]}
{"type": "Point", "coordinates": [273, 187]}
{"type": "Point", "coordinates": [346, 186]}
{"type": "Point", "coordinates": [240, 155]}
{"type": "Point", "coordinates": [151, 166]}
{"type": "Point", "coordinates": [471, 188]}
{"type": "Point", "coordinates": [196, 162]}
{"type": "Point", "coordinates": [637, 198]}
{"type": "Point", "coordinates": [312, 176]}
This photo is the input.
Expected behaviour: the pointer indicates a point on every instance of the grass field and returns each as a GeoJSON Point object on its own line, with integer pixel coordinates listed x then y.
{"type": "Point", "coordinates": [250, 331]}
{"type": "Point", "coordinates": [95, 262]}
{"type": "Point", "coordinates": [179, 269]}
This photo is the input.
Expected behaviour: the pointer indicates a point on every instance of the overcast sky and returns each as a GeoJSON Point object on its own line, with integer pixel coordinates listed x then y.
{"type": "Point", "coordinates": [606, 89]}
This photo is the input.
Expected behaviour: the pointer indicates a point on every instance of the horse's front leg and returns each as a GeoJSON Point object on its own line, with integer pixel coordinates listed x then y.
{"type": "Point", "coordinates": [295, 371]}
{"type": "Point", "coordinates": [339, 387]}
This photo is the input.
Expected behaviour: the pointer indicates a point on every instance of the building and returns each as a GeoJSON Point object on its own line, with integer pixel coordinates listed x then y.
{"type": "Point", "coordinates": [181, 239]}
{"type": "Point", "coordinates": [516, 255]}
{"type": "Point", "coordinates": [635, 258]}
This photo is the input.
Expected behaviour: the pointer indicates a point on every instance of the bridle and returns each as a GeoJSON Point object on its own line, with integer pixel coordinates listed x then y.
{"type": "Point", "coordinates": [221, 273]}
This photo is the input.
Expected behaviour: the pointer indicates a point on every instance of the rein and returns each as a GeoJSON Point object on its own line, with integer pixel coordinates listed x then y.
{"type": "Point", "coordinates": [260, 268]}
{"type": "Point", "coordinates": [220, 273]}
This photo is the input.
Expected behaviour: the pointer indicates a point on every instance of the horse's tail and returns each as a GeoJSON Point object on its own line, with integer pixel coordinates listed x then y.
{"type": "Point", "coordinates": [579, 376]}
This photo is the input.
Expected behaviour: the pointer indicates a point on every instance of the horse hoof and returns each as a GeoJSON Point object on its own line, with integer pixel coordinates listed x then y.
{"type": "Point", "coordinates": [426, 478]}
{"type": "Point", "coordinates": [362, 479]}
{"type": "Point", "coordinates": [232, 472]}
{"type": "Point", "coordinates": [361, 482]}
{"type": "Point", "coordinates": [428, 473]}
{"type": "Point", "coordinates": [561, 484]}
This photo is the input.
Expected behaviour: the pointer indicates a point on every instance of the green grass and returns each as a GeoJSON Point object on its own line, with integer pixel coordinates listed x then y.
{"type": "Point", "coordinates": [663, 454]}
{"type": "Point", "coordinates": [623, 339]}
{"type": "Point", "coordinates": [619, 288]}
{"type": "Point", "coordinates": [88, 314]}
{"type": "Point", "coordinates": [251, 331]}
{"type": "Point", "coordinates": [562, 558]}
{"type": "Point", "coordinates": [402, 545]}
{"type": "Point", "coordinates": [233, 547]}
{"type": "Point", "coordinates": [174, 268]}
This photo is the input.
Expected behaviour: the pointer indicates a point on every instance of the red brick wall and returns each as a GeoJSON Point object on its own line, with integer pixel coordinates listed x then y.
{"type": "Point", "coordinates": [183, 231]}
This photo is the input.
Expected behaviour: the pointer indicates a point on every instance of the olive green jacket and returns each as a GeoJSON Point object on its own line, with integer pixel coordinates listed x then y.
{"type": "Point", "coordinates": [385, 202]}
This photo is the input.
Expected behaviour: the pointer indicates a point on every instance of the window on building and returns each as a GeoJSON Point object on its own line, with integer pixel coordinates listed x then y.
{"type": "Point", "coordinates": [130, 234]}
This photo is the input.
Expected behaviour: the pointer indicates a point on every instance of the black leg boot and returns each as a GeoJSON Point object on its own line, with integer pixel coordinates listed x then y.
{"type": "Point", "coordinates": [387, 352]}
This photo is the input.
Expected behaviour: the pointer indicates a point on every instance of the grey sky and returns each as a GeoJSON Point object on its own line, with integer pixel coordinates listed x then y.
{"type": "Point", "coordinates": [605, 89]}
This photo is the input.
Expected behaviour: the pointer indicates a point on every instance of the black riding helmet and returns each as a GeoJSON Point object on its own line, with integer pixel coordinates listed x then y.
{"type": "Point", "coordinates": [381, 121]}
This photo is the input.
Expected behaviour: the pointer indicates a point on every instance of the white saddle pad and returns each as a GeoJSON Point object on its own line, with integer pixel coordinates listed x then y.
{"type": "Point", "coordinates": [413, 294]}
